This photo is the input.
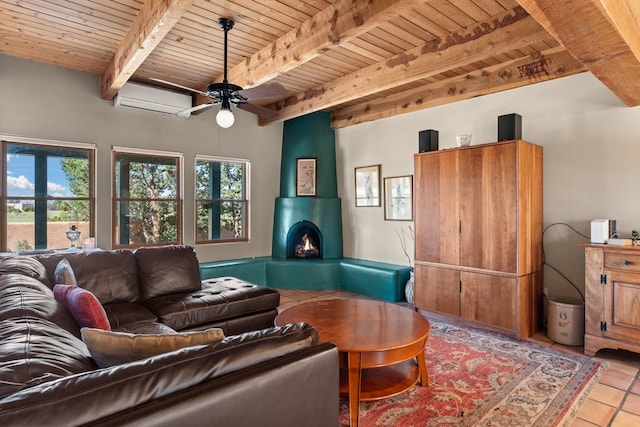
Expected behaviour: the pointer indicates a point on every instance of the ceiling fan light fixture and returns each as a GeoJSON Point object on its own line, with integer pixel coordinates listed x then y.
{"type": "Point", "coordinates": [225, 117]}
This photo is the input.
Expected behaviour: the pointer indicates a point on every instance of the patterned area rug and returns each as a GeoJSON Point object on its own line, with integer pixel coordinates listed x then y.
{"type": "Point", "coordinates": [481, 378]}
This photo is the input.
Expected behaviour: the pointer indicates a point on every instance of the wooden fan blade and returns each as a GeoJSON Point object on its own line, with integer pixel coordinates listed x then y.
{"type": "Point", "coordinates": [266, 90]}
{"type": "Point", "coordinates": [259, 110]}
{"type": "Point", "coordinates": [188, 111]}
{"type": "Point", "coordinates": [180, 86]}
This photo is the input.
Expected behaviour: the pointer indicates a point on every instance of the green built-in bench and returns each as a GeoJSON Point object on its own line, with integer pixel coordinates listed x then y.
{"type": "Point", "coordinates": [376, 279]}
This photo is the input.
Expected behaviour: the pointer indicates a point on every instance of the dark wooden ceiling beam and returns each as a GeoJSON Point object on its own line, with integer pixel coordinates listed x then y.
{"type": "Point", "coordinates": [154, 21]}
{"type": "Point", "coordinates": [511, 30]}
{"type": "Point", "coordinates": [602, 34]}
{"type": "Point", "coordinates": [534, 68]}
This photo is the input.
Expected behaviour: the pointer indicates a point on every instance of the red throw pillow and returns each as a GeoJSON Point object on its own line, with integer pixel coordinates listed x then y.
{"type": "Point", "coordinates": [83, 305]}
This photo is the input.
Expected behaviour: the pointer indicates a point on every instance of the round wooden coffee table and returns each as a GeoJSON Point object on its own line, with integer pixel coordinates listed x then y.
{"type": "Point", "coordinates": [379, 345]}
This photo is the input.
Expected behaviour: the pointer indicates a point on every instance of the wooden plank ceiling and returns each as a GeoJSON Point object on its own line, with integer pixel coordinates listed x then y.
{"type": "Point", "coordinates": [360, 59]}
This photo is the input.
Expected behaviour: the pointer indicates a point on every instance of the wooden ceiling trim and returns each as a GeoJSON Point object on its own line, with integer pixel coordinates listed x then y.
{"type": "Point", "coordinates": [366, 50]}
{"type": "Point", "coordinates": [244, 13]}
{"type": "Point", "coordinates": [492, 7]}
{"type": "Point", "coordinates": [92, 15]}
{"type": "Point", "coordinates": [471, 9]}
{"type": "Point", "coordinates": [400, 35]}
{"type": "Point", "coordinates": [422, 19]}
{"type": "Point", "coordinates": [108, 9]}
{"type": "Point", "coordinates": [43, 51]}
{"type": "Point", "coordinates": [518, 73]}
{"type": "Point", "coordinates": [458, 17]}
{"type": "Point", "coordinates": [436, 23]}
{"type": "Point", "coordinates": [36, 22]}
{"type": "Point", "coordinates": [501, 34]}
{"type": "Point", "coordinates": [391, 40]}
{"type": "Point", "coordinates": [410, 25]}
{"type": "Point", "coordinates": [592, 33]}
{"type": "Point", "coordinates": [296, 13]}
{"type": "Point", "coordinates": [69, 39]}
{"type": "Point", "coordinates": [154, 21]}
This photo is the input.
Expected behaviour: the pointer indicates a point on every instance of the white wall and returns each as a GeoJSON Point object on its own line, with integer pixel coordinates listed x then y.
{"type": "Point", "coordinates": [591, 146]}
{"type": "Point", "coordinates": [49, 102]}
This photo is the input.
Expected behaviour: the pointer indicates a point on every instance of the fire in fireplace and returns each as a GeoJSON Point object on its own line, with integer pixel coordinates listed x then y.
{"type": "Point", "coordinates": [304, 240]}
{"type": "Point", "coordinates": [306, 248]}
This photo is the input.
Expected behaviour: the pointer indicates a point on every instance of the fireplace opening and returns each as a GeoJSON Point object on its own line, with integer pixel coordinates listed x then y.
{"type": "Point", "coordinates": [304, 240]}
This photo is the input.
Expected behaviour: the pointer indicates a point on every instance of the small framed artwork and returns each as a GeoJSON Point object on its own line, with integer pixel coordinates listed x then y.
{"type": "Point", "coordinates": [306, 177]}
{"type": "Point", "coordinates": [368, 186]}
{"type": "Point", "coordinates": [398, 198]}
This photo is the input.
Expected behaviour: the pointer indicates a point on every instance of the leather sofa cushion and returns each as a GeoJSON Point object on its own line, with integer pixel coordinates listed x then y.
{"type": "Point", "coordinates": [117, 348]}
{"type": "Point", "coordinates": [112, 276]}
{"type": "Point", "coordinates": [25, 266]}
{"type": "Point", "coordinates": [22, 296]}
{"type": "Point", "coordinates": [84, 398]}
{"type": "Point", "coordinates": [167, 270]}
{"type": "Point", "coordinates": [220, 298]}
{"type": "Point", "coordinates": [126, 314]}
{"type": "Point", "coordinates": [34, 351]}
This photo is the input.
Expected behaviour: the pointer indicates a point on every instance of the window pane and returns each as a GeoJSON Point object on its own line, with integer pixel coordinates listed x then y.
{"type": "Point", "coordinates": [219, 220]}
{"type": "Point", "coordinates": [147, 222]}
{"type": "Point", "coordinates": [147, 205]}
{"type": "Point", "coordinates": [21, 224]}
{"type": "Point", "coordinates": [62, 172]}
{"type": "Point", "coordinates": [47, 188]}
{"type": "Point", "coordinates": [221, 203]}
{"type": "Point", "coordinates": [145, 177]}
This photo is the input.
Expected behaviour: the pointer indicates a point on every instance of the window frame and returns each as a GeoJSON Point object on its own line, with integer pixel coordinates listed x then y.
{"type": "Point", "coordinates": [179, 199]}
{"type": "Point", "coordinates": [246, 201]}
{"type": "Point", "coordinates": [5, 141]}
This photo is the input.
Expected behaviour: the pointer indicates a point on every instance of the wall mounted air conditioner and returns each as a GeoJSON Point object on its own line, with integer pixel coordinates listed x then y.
{"type": "Point", "coordinates": [135, 95]}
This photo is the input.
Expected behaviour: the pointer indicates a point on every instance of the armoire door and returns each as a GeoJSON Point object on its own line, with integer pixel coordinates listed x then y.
{"type": "Point", "coordinates": [437, 289]}
{"type": "Point", "coordinates": [489, 299]}
{"type": "Point", "coordinates": [488, 208]}
{"type": "Point", "coordinates": [436, 207]}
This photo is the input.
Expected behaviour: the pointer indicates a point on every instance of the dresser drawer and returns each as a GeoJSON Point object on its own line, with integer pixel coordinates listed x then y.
{"type": "Point", "coordinates": [629, 262]}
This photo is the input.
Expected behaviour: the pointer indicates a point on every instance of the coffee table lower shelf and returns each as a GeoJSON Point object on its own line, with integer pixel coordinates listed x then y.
{"type": "Point", "coordinates": [383, 382]}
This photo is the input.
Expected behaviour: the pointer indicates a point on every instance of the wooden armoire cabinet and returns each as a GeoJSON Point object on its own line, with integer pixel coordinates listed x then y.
{"type": "Point", "coordinates": [478, 224]}
{"type": "Point", "coordinates": [612, 298]}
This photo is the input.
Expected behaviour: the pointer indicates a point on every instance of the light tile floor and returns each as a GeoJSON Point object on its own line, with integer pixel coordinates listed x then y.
{"type": "Point", "coordinates": [614, 401]}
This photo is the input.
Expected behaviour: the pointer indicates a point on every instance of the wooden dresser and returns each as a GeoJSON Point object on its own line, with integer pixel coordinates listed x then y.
{"type": "Point", "coordinates": [612, 294]}
{"type": "Point", "coordinates": [478, 221]}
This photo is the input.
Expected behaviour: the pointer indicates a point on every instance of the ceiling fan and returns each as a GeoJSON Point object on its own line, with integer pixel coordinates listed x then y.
{"type": "Point", "coordinates": [226, 93]}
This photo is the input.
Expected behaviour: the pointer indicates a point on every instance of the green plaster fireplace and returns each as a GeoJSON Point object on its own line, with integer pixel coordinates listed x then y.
{"type": "Point", "coordinates": [309, 136]}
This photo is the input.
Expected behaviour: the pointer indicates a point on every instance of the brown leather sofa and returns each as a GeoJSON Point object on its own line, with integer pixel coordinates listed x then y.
{"type": "Point", "coordinates": [274, 376]}
{"type": "Point", "coordinates": [163, 284]}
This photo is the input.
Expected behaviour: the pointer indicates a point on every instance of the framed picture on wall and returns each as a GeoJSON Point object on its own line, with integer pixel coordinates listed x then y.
{"type": "Point", "coordinates": [368, 186]}
{"type": "Point", "coordinates": [398, 198]}
{"type": "Point", "coordinates": [306, 177]}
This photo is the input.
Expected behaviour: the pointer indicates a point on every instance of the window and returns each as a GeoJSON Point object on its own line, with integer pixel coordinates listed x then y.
{"type": "Point", "coordinates": [221, 200]}
{"type": "Point", "coordinates": [147, 198]}
{"type": "Point", "coordinates": [46, 189]}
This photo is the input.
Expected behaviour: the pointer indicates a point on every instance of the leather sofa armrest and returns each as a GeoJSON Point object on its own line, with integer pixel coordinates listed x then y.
{"type": "Point", "coordinates": [85, 397]}
{"type": "Point", "coordinates": [298, 389]}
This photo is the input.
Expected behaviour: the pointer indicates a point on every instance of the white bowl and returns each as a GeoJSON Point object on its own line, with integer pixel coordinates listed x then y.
{"type": "Point", "coordinates": [463, 140]}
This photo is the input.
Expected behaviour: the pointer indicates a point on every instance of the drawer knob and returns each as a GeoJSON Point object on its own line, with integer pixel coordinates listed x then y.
{"type": "Point", "coordinates": [626, 262]}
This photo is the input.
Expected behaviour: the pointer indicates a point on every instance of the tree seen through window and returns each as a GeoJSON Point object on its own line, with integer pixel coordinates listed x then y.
{"type": "Point", "coordinates": [221, 201]}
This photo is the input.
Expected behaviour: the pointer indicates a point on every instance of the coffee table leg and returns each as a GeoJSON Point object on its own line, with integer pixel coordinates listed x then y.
{"type": "Point", "coordinates": [422, 366]}
{"type": "Point", "coordinates": [355, 375]}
